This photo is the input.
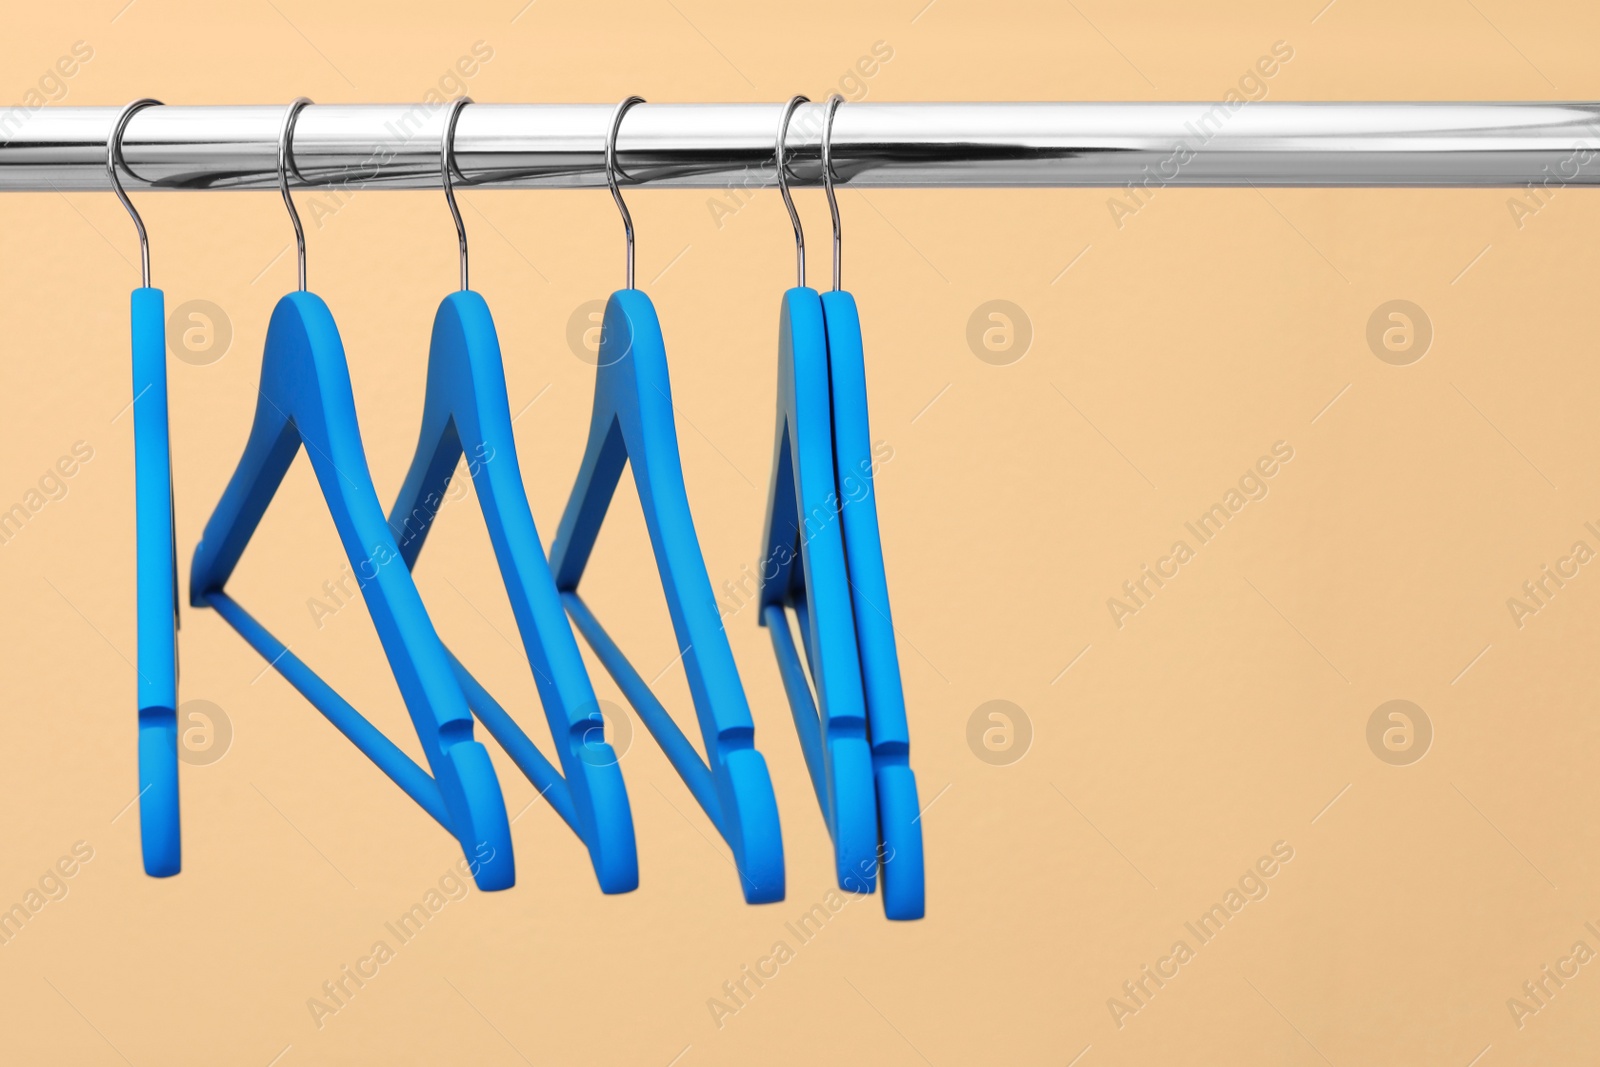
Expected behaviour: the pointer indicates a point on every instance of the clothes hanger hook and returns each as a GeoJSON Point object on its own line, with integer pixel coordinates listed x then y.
{"type": "Point", "coordinates": [285, 165]}
{"type": "Point", "coordinates": [827, 183]}
{"type": "Point", "coordinates": [113, 158]}
{"type": "Point", "coordinates": [783, 187]}
{"type": "Point", "coordinates": [611, 175]}
{"type": "Point", "coordinates": [447, 164]}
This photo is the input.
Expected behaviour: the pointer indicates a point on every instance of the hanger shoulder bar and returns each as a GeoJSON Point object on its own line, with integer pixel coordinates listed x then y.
{"type": "Point", "coordinates": [875, 145]}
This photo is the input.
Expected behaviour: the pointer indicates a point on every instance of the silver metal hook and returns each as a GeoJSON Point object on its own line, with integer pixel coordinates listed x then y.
{"type": "Point", "coordinates": [827, 183]}
{"type": "Point", "coordinates": [447, 163]}
{"type": "Point", "coordinates": [285, 162]}
{"type": "Point", "coordinates": [783, 187]}
{"type": "Point", "coordinates": [611, 175]}
{"type": "Point", "coordinates": [113, 158]}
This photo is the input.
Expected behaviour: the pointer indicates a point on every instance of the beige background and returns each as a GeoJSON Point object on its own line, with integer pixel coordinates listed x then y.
{"type": "Point", "coordinates": [1229, 714]}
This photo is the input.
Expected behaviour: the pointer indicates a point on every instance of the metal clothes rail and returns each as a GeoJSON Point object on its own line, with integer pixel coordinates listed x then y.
{"type": "Point", "coordinates": [723, 146]}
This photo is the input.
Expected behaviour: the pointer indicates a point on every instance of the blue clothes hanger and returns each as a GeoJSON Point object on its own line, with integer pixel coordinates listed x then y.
{"type": "Point", "coordinates": [157, 563]}
{"type": "Point", "coordinates": [898, 844]}
{"type": "Point", "coordinates": [306, 398]}
{"type": "Point", "coordinates": [899, 813]}
{"type": "Point", "coordinates": [466, 412]}
{"type": "Point", "coordinates": [803, 569]}
{"type": "Point", "coordinates": [633, 423]}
